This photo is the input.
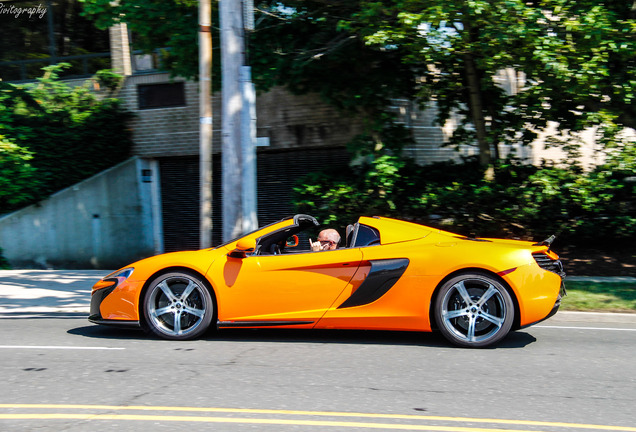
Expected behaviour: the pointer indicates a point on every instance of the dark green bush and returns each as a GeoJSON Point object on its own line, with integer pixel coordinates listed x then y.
{"type": "Point", "coordinates": [19, 183]}
{"type": "Point", "coordinates": [67, 132]}
{"type": "Point", "coordinates": [524, 201]}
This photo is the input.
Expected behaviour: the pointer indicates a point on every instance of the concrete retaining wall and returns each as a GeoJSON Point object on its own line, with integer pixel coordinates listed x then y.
{"type": "Point", "coordinates": [106, 221]}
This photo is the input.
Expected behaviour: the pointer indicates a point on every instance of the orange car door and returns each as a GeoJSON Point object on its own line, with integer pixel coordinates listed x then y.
{"type": "Point", "coordinates": [287, 287]}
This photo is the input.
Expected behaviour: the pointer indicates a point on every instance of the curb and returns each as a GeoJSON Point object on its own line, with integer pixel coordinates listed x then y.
{"type": "Point", "coordinates": [601, 279]}
{"type": "Point", "coordinates": [593, 317]}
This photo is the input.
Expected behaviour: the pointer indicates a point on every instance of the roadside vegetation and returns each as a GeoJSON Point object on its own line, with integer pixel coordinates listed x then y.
{"type": "Point", "coordinates": [53, 134]}
{"type": "Point", "coordinates": [529, 202]}
{"type": "Point", "coordinates": [592, 296]}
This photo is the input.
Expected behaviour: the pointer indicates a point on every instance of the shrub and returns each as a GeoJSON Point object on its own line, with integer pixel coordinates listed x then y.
{"type": "Point", "coordinates": [19, 183]}
{"type": "Point", "coordinates": [66, 133]}
{"type": "Point", "coordinates": [524, 202]}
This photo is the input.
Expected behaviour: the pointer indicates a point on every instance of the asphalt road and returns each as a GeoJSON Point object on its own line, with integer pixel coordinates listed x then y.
{"type": "Point", "coordinates": [61, 373]}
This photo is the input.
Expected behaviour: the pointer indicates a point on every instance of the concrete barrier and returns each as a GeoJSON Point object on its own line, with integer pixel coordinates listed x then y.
{"type": "Point", "coordinates": [106, 221]}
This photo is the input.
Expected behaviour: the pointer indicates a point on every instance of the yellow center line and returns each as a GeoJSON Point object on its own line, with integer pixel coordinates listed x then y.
{"type": "Point", "coordinates": [286, 422]}
{"type": "Point", "coordinates": [323, 423]}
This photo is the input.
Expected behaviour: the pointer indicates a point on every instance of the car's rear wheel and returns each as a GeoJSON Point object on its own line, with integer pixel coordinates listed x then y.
{"type": "Point", "coordinates": [178, 306]}
{"type": "Point", "coordinates": [474, 310]}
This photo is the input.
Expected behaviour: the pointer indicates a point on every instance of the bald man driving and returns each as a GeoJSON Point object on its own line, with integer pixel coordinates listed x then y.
{"type": "Point", "coordinates": [328, 239]}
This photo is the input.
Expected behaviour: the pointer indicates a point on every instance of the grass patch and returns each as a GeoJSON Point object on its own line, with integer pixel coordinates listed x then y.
{"type": "Point", "coordinates": [600, 296]}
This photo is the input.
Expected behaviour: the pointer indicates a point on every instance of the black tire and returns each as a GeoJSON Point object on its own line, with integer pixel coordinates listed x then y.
{"type": "Point", "coordinates": [178, 306]}
{"type": "Point", "coordinates": [474, 310]}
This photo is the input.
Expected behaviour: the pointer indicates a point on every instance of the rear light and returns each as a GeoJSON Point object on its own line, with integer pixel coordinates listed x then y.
{"type": "Point", "coordinates": [548, 263]}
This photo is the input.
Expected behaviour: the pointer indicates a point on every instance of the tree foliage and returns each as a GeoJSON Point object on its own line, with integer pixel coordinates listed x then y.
{"type": "Point", "coordinates": [576, 59]}
{"type": "Point", "coordinates": [56, 135]}
{"type": "Point", "coordinates": [304, 46]}
{"type": "Point", "coordinates": [168, 26]}
{"type": "Point", "coordinates": [19, 183]}
{"type": "Point", "coordinates": [526, 202]}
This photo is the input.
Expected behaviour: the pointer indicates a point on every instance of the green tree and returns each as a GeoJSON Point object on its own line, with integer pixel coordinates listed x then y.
{"type": "Point", "coordinates": [297, 44]}
{"type": "Point", "coordinates": [577, 60]}
{"type": "Point", "coordinates": [307, 46]}
{"type": "Point", "coordinates": [64, 133]}
{"type": "Point", "coordinates": [168, 26]}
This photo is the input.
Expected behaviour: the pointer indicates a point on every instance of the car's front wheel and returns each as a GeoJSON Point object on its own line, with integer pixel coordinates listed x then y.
{"type": "Point", "coordinates": [474, 310]}
{"type": "Point", "coordinates": [178, 306]}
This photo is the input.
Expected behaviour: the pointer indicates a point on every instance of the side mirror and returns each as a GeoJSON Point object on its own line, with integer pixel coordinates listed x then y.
{"type": "Point", "coordinates": [292, 241]}
{"type": "Point", "coordinates": [243, 247]}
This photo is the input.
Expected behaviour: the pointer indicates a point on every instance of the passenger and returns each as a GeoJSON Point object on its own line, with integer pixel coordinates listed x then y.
{"type": "Point", "coordinates": [328, 239]}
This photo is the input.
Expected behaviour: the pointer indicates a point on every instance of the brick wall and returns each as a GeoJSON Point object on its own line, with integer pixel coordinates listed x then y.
{"type": "Point", "coordinates": [163, 131]}
{"type": "Point", "coordinates": [288, 121]}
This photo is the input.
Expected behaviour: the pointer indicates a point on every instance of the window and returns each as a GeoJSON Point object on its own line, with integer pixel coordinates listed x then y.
{"type": "Point", "coordinates": [366, 236]}
{"type": "Point", "coordinates": [161, 95]}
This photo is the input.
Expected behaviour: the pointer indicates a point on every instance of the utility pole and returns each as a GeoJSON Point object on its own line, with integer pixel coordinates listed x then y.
{"type": "Point", "coordinates": [238, 122]}
{"type": "Point", "coordinates": [51, 32]}
{"type": "Point", "coordinates": [205, 123]}
{"type": "Point", "coordinates": [248, 152]}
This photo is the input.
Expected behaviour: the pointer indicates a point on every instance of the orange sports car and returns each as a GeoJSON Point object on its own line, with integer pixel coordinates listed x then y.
{"type": "Point", "coordinates": [387, 275]}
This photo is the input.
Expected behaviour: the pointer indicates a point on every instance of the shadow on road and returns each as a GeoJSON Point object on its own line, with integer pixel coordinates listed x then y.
{"type": "Point", "coordinates": [518, 339]}
{"type": "Point", "coordinates": [104, 332]}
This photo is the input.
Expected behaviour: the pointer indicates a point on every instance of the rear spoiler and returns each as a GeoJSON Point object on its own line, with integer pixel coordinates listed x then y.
{"type": "Point", "coordinates": [547, 242]}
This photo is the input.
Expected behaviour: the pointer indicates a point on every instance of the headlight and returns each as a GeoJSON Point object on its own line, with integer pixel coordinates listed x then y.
{"type": "Point", "coordinates": [113, 279]}
{"type": "Point", "coordinates": [121, 275]}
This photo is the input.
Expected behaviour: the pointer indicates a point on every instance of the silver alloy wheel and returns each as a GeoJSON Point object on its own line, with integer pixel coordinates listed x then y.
{"type": "Point", "coordinates": [178, 306]}
{"type": "Point", "coordinates": [474, 310]}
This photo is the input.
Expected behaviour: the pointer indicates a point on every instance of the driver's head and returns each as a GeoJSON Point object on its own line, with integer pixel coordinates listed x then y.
{"type": "Point", "coordinates": [329, 239]}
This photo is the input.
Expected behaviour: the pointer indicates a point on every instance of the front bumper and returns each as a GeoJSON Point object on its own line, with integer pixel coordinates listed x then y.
{"type": "Point", "coordinates": [97, 298]}
{"type": "Point", "coordinates": [96, 319]}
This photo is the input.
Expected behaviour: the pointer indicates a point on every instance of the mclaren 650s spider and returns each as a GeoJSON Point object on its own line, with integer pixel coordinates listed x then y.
{"type": "Point", "coordinates": [386, 275]}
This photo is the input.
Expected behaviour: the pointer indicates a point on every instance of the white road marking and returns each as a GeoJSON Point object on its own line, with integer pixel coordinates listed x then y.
{"type": "Point", "coordinates": [51, 347]}
{"type": "Point", "coordinates": [586, 328]}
